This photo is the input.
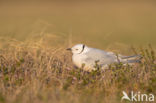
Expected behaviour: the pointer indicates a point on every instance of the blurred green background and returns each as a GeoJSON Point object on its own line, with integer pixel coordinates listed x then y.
{"type": "Point", "coordinates": [107, 24]}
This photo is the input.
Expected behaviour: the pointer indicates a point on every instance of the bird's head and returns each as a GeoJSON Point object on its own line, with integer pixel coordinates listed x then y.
{"type": "Point", "coordinates": [78, 49]}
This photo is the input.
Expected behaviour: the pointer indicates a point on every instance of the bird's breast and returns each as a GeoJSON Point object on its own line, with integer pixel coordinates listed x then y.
{"type": "Point", "coordinates": [78, 60]}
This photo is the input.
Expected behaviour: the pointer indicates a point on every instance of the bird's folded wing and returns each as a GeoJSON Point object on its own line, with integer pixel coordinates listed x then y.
{"type": "Point", "coordinates": [98, 55]}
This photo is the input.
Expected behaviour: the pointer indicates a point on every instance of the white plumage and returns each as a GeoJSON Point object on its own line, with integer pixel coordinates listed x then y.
{"type": "Point", "coordinates": [83, 54]}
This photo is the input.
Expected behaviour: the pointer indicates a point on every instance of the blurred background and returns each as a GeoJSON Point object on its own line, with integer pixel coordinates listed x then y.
{"type": "Point", "coordinates": [100, 24]}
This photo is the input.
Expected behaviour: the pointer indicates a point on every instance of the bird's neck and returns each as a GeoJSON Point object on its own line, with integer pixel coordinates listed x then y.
{"type": "Point", "coordinates": [86, 49]}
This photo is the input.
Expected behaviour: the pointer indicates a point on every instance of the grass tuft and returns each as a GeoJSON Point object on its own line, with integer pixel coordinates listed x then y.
{"type": "Point", "coordinates": [41, 75]}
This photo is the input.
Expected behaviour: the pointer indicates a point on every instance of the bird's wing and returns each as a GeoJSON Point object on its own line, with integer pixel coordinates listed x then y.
{"type": "Point", "coordinates": [103, 57]}
{"type": "Point", "coordinates": [132, 57]}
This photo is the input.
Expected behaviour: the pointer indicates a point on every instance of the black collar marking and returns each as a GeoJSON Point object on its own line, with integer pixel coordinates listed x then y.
{"type": "Point", "coordinates": [82, 49]}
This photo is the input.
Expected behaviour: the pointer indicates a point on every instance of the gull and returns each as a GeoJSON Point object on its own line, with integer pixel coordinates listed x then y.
{"type": "Point", "coordinates": [87, 58]}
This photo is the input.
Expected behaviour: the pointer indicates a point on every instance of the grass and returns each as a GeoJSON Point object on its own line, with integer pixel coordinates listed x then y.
{"type": "Point", "coordinates": [35, 68]}
{"type": "Point", "coordinates": [32, 72]}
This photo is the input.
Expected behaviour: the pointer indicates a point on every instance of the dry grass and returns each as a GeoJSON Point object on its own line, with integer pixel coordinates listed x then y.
{"type": "Point", "coordinates": [31, 72]}
{"type": "Point", "coordinates": [35, 68]}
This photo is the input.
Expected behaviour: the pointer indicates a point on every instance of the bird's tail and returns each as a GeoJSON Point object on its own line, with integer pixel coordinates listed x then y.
{"type": "Point", "coordinates": [131, 59]}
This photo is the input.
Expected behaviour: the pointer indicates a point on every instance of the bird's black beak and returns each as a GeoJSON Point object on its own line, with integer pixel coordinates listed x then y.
{"type": "Point", "coordinates": [68, 49]}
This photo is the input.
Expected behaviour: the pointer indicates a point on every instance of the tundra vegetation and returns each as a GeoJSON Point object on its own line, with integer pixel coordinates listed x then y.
{"type": "Point", "coordinates": [31, 72]}
{"type": "Point", "coordinates": [36, 68]}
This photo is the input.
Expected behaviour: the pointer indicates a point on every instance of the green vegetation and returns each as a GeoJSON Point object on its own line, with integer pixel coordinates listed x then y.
{"type": "Point", "coordinates": [41, 74]}
{"type": "Point", "coordinates": [35, 68]}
